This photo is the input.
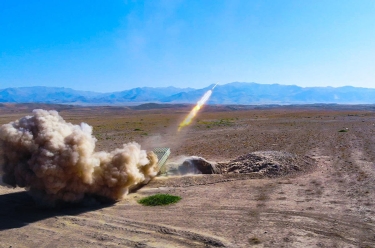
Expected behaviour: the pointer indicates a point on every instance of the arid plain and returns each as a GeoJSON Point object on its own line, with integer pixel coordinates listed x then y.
{"type": "Point", "coordinates": [329, 205]}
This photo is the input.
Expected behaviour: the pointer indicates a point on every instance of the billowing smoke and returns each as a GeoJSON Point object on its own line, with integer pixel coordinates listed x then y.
{"type": "Point", "coordinates": [56, 160]}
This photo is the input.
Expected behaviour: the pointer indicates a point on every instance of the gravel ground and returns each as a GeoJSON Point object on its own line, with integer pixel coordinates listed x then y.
{"type": "Point", "coordinates": [327, 200]}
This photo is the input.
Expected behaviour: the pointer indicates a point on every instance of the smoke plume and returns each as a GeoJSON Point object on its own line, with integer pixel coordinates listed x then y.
{"type": "Point", "coordinates": [56, 160]}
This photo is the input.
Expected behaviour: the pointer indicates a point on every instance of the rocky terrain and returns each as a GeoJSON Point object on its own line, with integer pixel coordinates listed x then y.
{"type": "Point", "coordinates": [326, 200]}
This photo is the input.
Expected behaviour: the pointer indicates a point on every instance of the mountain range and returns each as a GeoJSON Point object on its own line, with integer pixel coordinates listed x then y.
{"type": "Point", "coordinates": [231, 93]}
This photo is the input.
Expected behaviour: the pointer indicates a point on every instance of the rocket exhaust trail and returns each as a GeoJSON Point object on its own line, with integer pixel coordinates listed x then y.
{"type": "Point", "coordinates": [196, 108]}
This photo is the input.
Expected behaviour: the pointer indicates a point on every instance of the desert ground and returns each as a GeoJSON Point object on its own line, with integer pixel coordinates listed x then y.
{"type": "Point", "coordinates": [328, 205]}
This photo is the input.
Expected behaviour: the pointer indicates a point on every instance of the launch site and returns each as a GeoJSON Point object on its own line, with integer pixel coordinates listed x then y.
{"type": "Point", "coordinates": [323, 197]}
{"type": "Point", "coordinates": [187, 123]}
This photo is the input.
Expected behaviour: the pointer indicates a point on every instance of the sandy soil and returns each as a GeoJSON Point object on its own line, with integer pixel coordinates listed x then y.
{"type": "Point", "coordinates": [331, 205]}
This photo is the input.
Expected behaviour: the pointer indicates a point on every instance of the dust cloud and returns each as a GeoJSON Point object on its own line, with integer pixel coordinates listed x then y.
{"type": "Point", "coordinates": [190, 165]}
{"type": "Point", "coordinates": [56, 161]}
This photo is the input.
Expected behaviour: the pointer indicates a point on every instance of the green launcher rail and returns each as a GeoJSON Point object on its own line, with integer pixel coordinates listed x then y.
{"type": "Point", "coordinates": [162, 153]}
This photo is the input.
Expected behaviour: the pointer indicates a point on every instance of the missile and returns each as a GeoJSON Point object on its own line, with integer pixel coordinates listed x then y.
{"type": "Point", "coordinates": [214, 87]}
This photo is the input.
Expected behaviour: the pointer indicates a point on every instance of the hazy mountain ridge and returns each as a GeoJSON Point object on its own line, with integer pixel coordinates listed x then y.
{"type": "Point", "coordinates": [231, 93]}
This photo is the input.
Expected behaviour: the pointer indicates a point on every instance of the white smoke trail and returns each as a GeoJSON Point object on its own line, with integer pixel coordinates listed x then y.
{"type": "Point", "coordinates": [56, 160]}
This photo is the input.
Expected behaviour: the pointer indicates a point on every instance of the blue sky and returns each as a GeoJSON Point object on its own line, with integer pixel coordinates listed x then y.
{"type": "Point", "coordinates": [116, 45]}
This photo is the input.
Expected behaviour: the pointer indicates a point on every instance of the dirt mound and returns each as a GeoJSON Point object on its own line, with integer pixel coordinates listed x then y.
{"type": "Point", "coordinates": [197, 165]}
{"type": "Point", "coordinates": [264, 163]}
{"type": "Point", "coordinates": [267, 163]}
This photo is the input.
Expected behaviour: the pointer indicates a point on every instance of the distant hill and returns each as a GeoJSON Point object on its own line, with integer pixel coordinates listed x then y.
{"type": "Point", "coordinates": [252, 93]}
{"type": "Point", "coordinates": [145, 94]}
{"type": "Point", "coordinates": [232, 93]}
{"type": "Point", "coordinates": [39, 94]}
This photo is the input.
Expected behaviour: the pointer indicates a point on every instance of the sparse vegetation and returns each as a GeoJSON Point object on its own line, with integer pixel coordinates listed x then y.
{"type": "Point", "coordinates": [217, 123]}
{"type": "Point", "coordinates": [159, 199]}
{"type": "Point", "coordinates": [341, 182]}
{"type": "Point", "coordinates": [343, 131]}
{"type": "Point", "coordinates": [261, 197]}
{"type": "Point", "coordinates": [254, 241]}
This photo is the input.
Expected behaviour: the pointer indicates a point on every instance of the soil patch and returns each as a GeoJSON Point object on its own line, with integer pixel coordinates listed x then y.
{"type": "Point", "coordinates": [267, 163]}
{"type": "Point", "coordinates": [263, 163]}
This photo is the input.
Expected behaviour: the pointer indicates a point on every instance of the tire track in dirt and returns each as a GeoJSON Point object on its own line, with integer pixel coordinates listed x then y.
{"type": "Point", "coordinates": [327, 207]}
{"type": "Point", "coordinates": [346, 230]}
{"type": "Point", "coordinates": [108, 229]}
{"type": "Point", "coordinates": [353, 176]}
